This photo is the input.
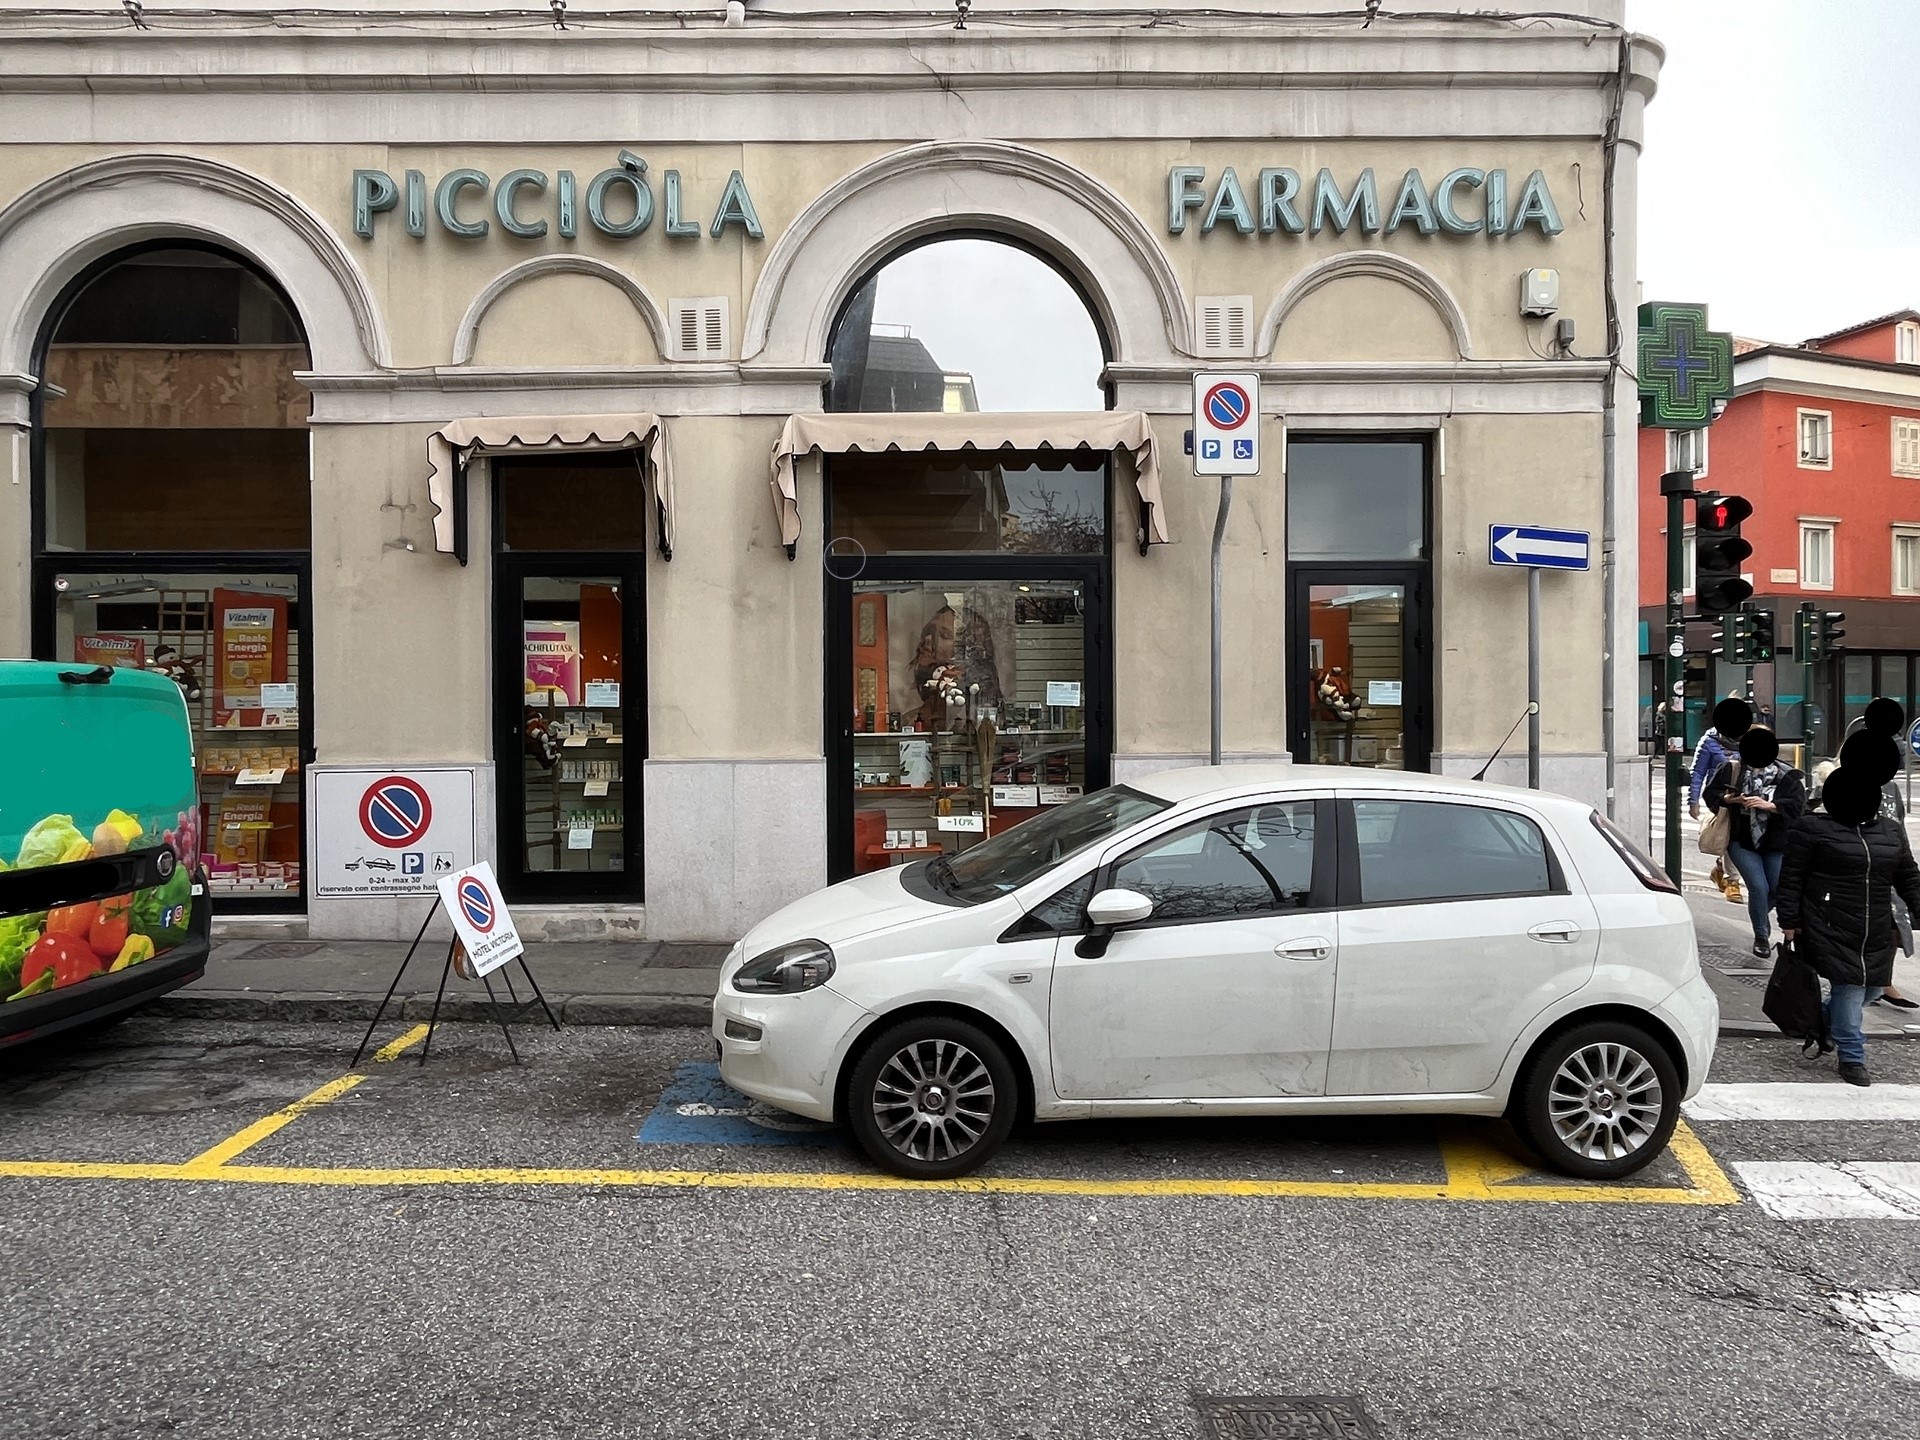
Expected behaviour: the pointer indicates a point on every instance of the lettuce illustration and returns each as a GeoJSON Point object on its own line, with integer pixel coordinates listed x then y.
{"type": "Point", "coordinates": [47, 842]}
{"type": "Point", "coordinates": [17, 934]}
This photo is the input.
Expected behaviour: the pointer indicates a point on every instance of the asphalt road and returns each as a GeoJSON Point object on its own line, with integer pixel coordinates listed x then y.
{"type": "Point", "coordinates": [669, 1300]}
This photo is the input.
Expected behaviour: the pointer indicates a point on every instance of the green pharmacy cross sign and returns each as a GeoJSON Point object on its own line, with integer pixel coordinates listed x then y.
{"type": "Point", "coordinates": [1684, 367]}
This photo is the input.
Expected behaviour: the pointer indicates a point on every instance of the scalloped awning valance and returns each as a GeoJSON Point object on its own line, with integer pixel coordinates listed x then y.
{"type": "Point", "coordinates": [450, 447]}
{"type": "Point", "coordinates": [1098, 430]}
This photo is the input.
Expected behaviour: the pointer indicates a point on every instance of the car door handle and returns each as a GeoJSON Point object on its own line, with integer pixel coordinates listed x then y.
{"type": "Point", "coordinates": [1556, 932]}
{"type": "Point", "coordinates": [1313, 949]}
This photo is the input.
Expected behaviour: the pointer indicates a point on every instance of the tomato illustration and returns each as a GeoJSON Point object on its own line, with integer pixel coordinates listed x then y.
{"type": "Point", "coordinates": [73, 920]}
{"type": "Point", "coordinates": [108, 932]}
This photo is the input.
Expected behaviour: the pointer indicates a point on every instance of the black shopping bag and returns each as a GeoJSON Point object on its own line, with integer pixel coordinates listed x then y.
{"type": "Point", "coordinates": [1793, 1002]}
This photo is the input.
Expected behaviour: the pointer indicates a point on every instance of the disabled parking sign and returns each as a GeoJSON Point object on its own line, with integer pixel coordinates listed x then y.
{"type": "Point", "coordinates": [472, 901]}
{"type": "Point", "coordinates": [1226, 423]}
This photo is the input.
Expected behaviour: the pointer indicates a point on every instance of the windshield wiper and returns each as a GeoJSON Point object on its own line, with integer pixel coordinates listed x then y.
{"type": "Point", "coordinates": [940, 874]}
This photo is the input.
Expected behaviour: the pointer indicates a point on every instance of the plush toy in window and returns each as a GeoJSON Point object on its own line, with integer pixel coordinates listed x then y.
{"type": "Point", "coordinates": [1332, 690]}
{"type": "Point", "coordinates": [166, 660]}
{"type": "Point", "coordinates": [540, 741]}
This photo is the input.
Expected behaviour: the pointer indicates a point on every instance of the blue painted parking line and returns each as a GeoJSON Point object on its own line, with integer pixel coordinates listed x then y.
{"type": "Point", "coordinates": [699, 1108]}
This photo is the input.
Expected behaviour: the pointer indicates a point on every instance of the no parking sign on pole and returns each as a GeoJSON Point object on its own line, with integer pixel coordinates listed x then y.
{"type": "Point", "coordinates": [472, 901]}
{"type": "Point", "coordinates": [1226, 423]}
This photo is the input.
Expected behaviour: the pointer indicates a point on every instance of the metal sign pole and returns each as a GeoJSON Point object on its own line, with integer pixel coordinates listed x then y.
{"type": "Point", "coordinates": [1219, 538]}
{"type": "Point", "coordinates": [1678, 488]}
{"type": "Point", "coordinates": [1533, 677]}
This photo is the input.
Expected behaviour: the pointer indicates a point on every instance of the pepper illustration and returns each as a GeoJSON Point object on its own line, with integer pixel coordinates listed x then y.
{"type": "Point", "coordinates": [137, 948]}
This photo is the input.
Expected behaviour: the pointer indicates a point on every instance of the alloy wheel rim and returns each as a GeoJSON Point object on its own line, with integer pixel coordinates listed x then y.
{"type": "Point", "coordinates": [933, 1100]}
{"type": "Point", "coordinates": [1605, 1101]}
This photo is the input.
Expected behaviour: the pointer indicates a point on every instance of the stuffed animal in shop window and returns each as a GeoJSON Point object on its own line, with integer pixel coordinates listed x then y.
{"type": "Point", "coordinates": [166, 660]}
{"type": "Point", "coordinates": [540, 741]}
{"type": "Point", "coordinates": [1335, 694]}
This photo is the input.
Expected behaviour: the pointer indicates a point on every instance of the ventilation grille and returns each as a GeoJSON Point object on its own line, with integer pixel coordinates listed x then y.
{"type": "Point", "coordinates": [702, 328]}
{"type": "Point", "coordinates": [1224, 324]}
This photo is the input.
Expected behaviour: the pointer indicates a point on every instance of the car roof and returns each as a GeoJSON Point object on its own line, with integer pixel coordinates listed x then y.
{"type": "Point", "coordinates": [1226, 782]}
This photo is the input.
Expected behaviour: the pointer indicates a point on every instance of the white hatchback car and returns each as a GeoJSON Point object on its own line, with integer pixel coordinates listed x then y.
{"type": "Point", "coordinates": [1257, 940]}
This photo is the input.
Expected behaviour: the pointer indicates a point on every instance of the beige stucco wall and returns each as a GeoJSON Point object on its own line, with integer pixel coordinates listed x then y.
{"type": "Point", "coordinates": [402, 646]}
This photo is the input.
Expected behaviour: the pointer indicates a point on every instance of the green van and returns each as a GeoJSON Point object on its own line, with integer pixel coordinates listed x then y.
{"type": "Point", "coordinates": [102, 903]}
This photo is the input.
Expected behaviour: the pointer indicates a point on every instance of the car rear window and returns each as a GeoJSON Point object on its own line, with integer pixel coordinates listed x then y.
{"type": "Point", "coordinates": [1415, 850]}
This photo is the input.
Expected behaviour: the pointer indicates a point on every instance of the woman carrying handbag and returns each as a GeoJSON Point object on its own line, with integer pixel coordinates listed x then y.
{"type": "Point", "coordinates": [1759, 798]}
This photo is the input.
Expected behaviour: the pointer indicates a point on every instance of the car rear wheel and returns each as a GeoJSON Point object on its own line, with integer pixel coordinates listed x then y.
{"type": "Point", "coordinates": [1599, 1101]}
{"type": "Point", "coordinates": [931, 1099]}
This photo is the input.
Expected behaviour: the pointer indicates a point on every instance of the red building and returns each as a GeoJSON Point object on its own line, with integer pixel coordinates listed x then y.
{"type": "Point", "coordinates": [1824, 439]}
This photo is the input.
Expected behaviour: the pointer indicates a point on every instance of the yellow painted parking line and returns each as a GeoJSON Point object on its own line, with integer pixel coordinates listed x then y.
{"type": "Point", "coordinates": [393, 1050]}
{"type": "Point", "coordinates": [1471, 1171]}
{"type": "Point", "coordinates": [260, 1129]}
{"type": "Point", "coordinates": [238, 1144]}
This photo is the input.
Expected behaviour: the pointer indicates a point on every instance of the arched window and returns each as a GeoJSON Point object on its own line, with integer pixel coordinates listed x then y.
{"type": "Point", "coordinates": [966, 323]}
{"type": "Point", "coordinates": [172, 527]}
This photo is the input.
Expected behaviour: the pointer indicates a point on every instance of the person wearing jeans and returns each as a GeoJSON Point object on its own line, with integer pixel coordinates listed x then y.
{"type": "Point", "coordinates": [1766, 798]}
{"type": "Point", "coordinates": [1843, 866]}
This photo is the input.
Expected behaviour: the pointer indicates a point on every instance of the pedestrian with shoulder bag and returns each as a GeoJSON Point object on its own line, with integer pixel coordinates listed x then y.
{"type": "Point", "coordinates": [1761, 797]}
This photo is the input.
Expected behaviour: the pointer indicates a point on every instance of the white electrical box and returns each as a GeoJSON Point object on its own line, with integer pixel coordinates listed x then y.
{"type": "Point", "coordinates": [1539, 292]}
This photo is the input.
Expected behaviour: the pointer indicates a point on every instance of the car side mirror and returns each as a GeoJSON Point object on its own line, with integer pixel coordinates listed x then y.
{"type": "Point", "coordinates": [1111, 908]}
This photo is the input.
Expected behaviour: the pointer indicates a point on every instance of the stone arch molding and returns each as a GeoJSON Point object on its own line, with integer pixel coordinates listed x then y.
{"type": "Point", "coordinates": [1380, 265]}
{"type": "Point", "coordinates": [62, 225]}
{"type": "Point", "coordinates": [924, 190]}
{"type": "Point", "coordinates": [467, 336]}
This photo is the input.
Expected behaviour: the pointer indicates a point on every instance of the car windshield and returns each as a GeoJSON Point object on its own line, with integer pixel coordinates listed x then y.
{"type": "Point", "coordinates": [1013, 857]}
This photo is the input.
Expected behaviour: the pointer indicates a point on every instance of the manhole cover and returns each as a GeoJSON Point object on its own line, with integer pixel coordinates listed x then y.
{"type": "Point", "coordinates": [1284, 1417]}
{"type": "Point", "coordinates": [285, 949]}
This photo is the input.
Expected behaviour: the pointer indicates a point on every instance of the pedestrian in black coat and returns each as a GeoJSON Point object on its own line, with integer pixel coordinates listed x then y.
{"type": "Point", "coordinates": [1843, 866]}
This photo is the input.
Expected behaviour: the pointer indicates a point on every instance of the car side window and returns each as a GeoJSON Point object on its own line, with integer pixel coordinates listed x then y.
{"type": "Point", "coordinates": [1413, 850]}
{"type": "Point", "coordinates": [1241, 862]}
{"type": "Point", "coordinates": [1061, 913]}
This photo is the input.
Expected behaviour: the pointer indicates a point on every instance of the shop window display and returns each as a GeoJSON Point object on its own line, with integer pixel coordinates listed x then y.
{"type": "Point", "coordinates": [231, 642]}
{"type": "Point", "coordinates": [969, 711]}
{"type": "Point", "coordinates": [172, 525]}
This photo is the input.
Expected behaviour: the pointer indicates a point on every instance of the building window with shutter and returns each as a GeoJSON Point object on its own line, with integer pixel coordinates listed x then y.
{"type": "Point", "coordinates": [1906, 343]}
{"type": "Point", "coordinates": [1906, 447]}
{"type": "Point", "coordinates": [1906, 559]}
{"type": "Point", "coordinates": [1687, 450]}
{"type": "Point", "coordinates": [1816, 554]}
{"type": "Point", "coordinates": [1816, 440]}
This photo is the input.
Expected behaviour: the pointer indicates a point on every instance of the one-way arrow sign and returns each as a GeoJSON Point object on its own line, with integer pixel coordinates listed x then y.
{"type": "Point", "coordinates": [1534, 547]}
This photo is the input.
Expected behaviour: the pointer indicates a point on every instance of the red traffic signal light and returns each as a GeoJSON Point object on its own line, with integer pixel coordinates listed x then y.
{"type": "Point", "coordinates": [1722, 513]}
{"type": "Point", "coordinates": [1718, 552]}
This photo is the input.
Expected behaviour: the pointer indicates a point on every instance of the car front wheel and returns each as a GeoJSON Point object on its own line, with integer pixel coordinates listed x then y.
{"type": "Point", "coordinates": [932, 1099]}
{"type": "Point", "coordinates": [1599, 1101]}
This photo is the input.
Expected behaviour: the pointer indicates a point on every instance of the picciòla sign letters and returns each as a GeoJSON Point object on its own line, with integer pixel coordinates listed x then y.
{"type": "Point", "coordinates": [1277, 199]}
{"type": "Point", "coordinates": [618, 202]}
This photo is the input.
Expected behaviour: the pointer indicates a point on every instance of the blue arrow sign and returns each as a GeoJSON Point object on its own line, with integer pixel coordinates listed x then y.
{"type": "Point", "coordinates": [1531, 546]}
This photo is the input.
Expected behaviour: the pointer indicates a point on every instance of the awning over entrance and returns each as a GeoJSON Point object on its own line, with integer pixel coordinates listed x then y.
{"type": "Point", "coordinates": [452, 446]}
{"type": "Point", "coordinates": [1126, 430]}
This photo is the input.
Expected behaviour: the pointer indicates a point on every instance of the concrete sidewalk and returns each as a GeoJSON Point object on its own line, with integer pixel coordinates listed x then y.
{"type": "Point", "coordinates": [1739, 977]}
{"type": "Point", "coordinates": [586, 983]}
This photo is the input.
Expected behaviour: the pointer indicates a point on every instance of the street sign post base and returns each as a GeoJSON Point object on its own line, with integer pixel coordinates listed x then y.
{"type": "Point", "coordinates": [504, 1015]}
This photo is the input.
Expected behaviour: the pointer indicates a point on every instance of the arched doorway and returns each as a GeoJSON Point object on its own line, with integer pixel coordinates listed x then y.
{"type": "Point", "coordinates": [172, 528]}
{"type": "Point", "coordinates": [968, 610]}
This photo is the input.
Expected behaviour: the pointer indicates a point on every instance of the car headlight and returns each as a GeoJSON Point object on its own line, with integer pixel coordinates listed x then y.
{"type": "Point", "coordinates": [786, 970]}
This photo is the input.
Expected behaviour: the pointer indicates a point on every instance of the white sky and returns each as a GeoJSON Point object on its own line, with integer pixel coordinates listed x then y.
{"type": "Point", "coordinates": [1781, 179]}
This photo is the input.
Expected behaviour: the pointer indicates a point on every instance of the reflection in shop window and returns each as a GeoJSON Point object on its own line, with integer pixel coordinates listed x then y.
{"type": "Point", "coordinates": [1024, 503]}
{"type": "Point", "coordinates": [966, 324]}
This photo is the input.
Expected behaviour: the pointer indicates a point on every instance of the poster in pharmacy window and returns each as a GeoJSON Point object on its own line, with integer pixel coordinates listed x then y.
{"type": "Point", "coordinates": [250, 646]}
{"type": "Point", "coordinates": [552, 650]}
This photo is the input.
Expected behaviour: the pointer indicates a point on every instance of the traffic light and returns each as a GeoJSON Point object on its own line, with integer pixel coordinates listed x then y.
{"type": "Point", "coordinates": [1827, 624]}
{"type": "Point", "coordinates": [1718, 552]}
{"type": "Point", "coordinates": [1817, 633]}
{"type": "Point", "coordinates": [1762, 637]}
{"type": "Point", "coordinates": [1734, 638]}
